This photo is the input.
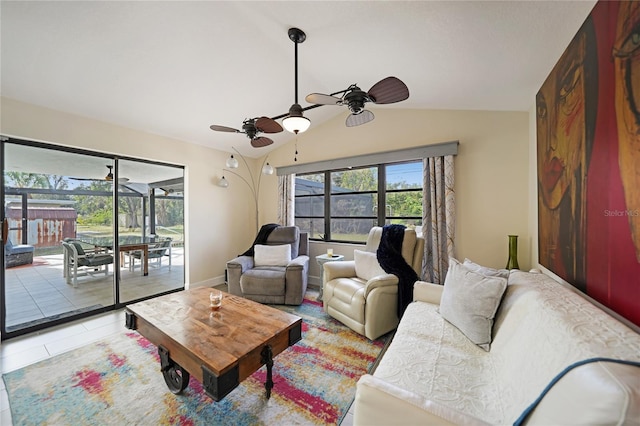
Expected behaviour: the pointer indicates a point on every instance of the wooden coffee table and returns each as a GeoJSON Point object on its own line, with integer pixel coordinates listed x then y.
{"type": "Point", "coordinates": [220, 348]}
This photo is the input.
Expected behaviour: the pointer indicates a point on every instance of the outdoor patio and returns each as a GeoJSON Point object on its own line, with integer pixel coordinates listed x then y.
{"type": "Point", "coordinates": [38, 292]}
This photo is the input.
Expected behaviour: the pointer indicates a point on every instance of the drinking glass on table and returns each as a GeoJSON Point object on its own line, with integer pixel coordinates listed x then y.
{"type": "Point", "coordinates": [215, 299]}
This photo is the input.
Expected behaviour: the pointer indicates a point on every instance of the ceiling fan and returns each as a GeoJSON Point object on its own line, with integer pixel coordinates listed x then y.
{"type": "Point", "coordinates": [252, 127]}
{"type": "Point", "coordinates": [107, 178]}
{"type": "Point", "coordinates": [387, 91]}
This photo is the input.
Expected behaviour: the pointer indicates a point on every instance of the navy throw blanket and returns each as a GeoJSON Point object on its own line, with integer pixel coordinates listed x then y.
{"type": "Point", "coordinates": [261, 238]}
{"type": "Point", "coordinates": [390, 258]}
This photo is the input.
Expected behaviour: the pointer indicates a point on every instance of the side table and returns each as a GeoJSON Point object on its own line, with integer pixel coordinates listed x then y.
{"type": "Point", "coordinates": [322, 259]}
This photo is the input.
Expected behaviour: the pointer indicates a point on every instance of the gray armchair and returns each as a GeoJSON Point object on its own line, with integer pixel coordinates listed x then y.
{"type": "Point", "coordinates": [273, 283]}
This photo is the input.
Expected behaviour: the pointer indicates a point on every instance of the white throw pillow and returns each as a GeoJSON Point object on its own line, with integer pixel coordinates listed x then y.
{"type": "Point", "coordinates": [485, 270]}
{"type": "Point", "coordinates": [367, 265]}
{"type": "Point", "coordinates": [470, 301]}
{"type": "Point", "coordinates": [279, 255]}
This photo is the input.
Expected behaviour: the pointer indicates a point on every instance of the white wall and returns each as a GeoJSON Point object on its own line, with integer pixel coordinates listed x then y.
{"type": "Point", "coordinates": [492, 171]}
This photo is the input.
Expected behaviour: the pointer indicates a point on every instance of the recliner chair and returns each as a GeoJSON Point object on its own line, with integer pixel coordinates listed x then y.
{"type": "Point", "coordinates": [359, 294]}
{"type": "Point", "coordinates": [274, 282]}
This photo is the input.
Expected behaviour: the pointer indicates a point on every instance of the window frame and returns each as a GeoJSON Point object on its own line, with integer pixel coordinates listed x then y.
{"type": "Point", "coordinates": [379, 219]}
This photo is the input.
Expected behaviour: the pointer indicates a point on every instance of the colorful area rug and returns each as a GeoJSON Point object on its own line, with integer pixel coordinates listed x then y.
{"type": "Point", "coordinates": [118, 381]}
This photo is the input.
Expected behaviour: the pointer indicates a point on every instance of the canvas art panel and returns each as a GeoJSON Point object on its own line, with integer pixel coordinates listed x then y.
{"type": "Point", "coordinates": [588, 160]}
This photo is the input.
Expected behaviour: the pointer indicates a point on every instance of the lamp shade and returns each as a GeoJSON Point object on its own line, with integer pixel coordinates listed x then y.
{"type": "Point", "coordinates": [223, 182]}
{"type": "Point", "coordinates": [295, 122]}
{"type": "Point", "coordinates": [267, 169]}
{"type": "Point", "coordinates": [232, 163]}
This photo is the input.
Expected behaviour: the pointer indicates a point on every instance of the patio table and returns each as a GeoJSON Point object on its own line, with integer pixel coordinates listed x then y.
{"type": "Point", "coordinates": [126, 243]}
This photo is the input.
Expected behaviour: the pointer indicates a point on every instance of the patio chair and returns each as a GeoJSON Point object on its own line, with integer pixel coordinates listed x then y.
{"type": "Point", "coordinates": [156, 253]}
{"type": "Point", "coordinates": [16, 255]}
{"type": "Point", "coordinates": [77, 262]}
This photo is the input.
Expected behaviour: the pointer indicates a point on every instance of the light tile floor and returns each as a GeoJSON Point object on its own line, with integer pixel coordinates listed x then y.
{"type": "Point", "coordinates": [39, 291]}
{"type": "Point", "coordinates": [29, 349]}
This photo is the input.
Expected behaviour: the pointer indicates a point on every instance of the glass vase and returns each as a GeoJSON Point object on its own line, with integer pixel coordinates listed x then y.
{"type": "Point", "coordinates": [512, 263]}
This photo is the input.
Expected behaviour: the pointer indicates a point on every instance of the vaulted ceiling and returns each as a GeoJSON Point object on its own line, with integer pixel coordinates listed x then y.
{"type": "Point", "coordinates": [174, 68]}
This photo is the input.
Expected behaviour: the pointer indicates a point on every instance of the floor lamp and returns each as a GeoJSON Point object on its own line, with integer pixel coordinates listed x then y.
{"type": "Point", "coordinates": [252, 182]}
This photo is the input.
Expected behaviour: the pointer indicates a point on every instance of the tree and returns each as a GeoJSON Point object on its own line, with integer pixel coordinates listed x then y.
{"type": "Point", "coordinates": [38, 181]}
{"type": "Point", "coordinates": [94, 209]}
{"type": "Point", "coordinates": [356, 180]}
{"type": "Point", "coordinates": [131, 207]}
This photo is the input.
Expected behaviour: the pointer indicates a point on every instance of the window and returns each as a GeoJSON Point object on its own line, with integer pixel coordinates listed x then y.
{"type": "Point", "coordinates": [358, 199]}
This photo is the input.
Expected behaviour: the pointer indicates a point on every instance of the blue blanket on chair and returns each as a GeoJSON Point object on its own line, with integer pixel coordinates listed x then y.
{"type": "Point", "coordinates": [390, 258]}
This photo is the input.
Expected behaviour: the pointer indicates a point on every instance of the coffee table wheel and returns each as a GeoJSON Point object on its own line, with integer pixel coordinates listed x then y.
{"type": "Point", "coordinates": [176, 378]}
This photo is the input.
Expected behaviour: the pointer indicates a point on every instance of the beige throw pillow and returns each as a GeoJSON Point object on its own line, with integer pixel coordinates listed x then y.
{"type": "Point", "coordinates": [485, 270]}
{"type": "Point", "coordinates": [367, 265]}
{"type": "Point", "coordinates": [470, 301]}
{"type": "Point", "coordinates": [278, 255]}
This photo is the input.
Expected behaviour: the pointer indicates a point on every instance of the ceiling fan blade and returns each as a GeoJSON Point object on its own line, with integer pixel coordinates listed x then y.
{"type": "Point", "coordinates": [267, 125]}
{"type": "Point", "coordinates": [260, 142]}
{"type": "Point", "coordinates": [388, 91]}
{"type": "Point", "coordinates": [217, 128]}
{"type": "Point", "coordinates": [77, 178]}
{"type": "Point", "coordinates": [357, 119]}
{"type": "Point", "coordinates": [320, 99]}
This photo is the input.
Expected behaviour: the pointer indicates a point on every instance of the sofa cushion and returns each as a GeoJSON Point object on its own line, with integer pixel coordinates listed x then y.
{"type": "Point", "coordinates": [21, 249]}
{"type": "Point", "coordinates": [95, 260]}
{"type": "Point", "coordinates": [486, 271]}
{"type": "Point", "coordinates": [266, 280]}
{"type": "Point", "coordinates": [470, 301]}
{"type": "Point", "coordinates": [593, 391]}
{"type": "Point", "coordinates": [286, 235]}
{"type": "Point", "coordinates": [278, 255]}
{"type": "Point", "coordinates": [367, 265]}
{"type": "Point", "coordinates": [431, 358]}
{"type": "Point", "coordinates": [79, 248]}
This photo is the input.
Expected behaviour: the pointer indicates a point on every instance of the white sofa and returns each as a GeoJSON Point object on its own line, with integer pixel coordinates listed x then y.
{"type": "Point", "coordinates": [433, 374]}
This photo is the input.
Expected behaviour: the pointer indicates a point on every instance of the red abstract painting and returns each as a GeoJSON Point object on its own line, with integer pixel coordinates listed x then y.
{"type": "Point", "coordinates": [588, 146]}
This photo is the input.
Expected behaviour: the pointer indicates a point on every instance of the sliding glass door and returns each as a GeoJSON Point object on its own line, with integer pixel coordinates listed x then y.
{"type": "Point", "coordinates": [85, 232]}
{"type": "Point", "coordinates": [150, 229]}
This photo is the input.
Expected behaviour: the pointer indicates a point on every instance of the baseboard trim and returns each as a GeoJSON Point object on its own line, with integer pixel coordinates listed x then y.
{"type": "Point", "coordinates": [211, 282]}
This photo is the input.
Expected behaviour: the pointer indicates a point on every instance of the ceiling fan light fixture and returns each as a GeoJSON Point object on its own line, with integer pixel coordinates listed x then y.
{"type": "Point", "coordinates": [109, 176]}
{"type": "Point", "coordinates": [295, 122]}
{"type": "Point", "coordinates": [232, 163]}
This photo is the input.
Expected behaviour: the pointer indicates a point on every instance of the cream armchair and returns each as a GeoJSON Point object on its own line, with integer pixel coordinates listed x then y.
{"type": "Point", "coordinates": [359, 294]}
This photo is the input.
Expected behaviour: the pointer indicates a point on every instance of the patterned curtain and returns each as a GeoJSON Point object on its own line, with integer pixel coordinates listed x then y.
{"type": "Point", "coordinates": [438, 217]}
{"type": "Point", "coordinates": [285, 200]}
